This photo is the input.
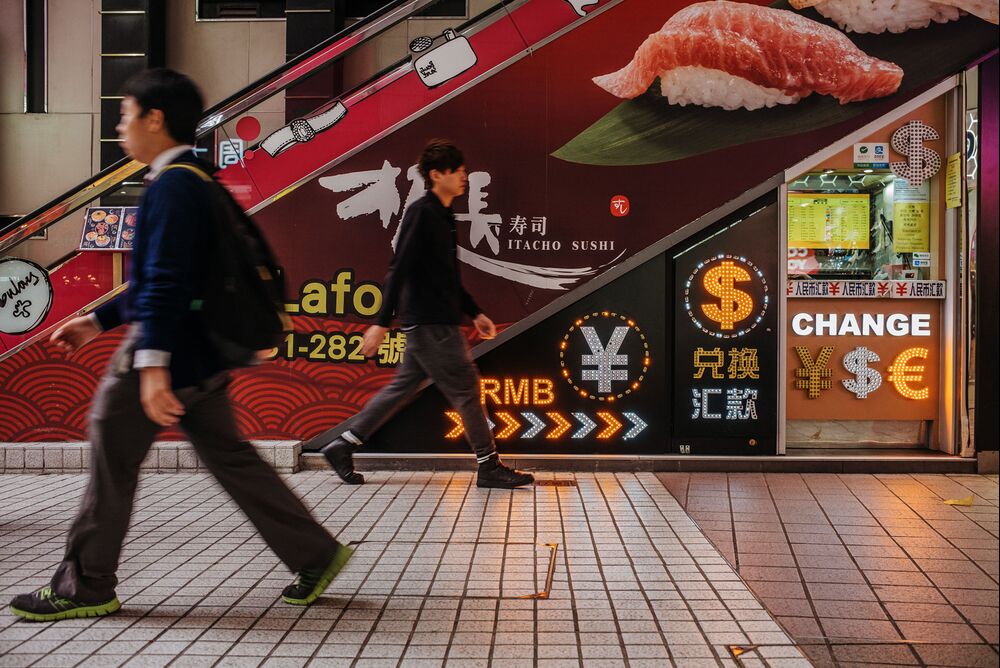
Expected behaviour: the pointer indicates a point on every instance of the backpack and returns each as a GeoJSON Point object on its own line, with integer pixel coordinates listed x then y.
{"type": "Point", "coordinates": [243, 304]}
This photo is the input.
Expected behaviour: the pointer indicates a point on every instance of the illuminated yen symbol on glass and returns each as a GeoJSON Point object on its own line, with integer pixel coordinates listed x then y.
{"type": "Point", "coordinates": [605, 359]}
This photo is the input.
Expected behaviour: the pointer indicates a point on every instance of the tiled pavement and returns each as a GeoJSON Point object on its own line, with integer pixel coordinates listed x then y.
{"type": "Point", "coordinates": [862, 569]}
{"type": "Point", "coordinates": [440, 577]}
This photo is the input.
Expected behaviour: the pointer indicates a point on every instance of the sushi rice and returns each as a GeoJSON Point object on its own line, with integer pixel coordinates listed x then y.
{"type": "Point", "coordinates": [875, 16]}
{"type": "Point", "coordinates": [715, 88]}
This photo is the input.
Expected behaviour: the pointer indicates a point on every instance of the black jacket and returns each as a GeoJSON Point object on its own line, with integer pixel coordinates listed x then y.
{"type": "Point", "coordinates": [423, 286]}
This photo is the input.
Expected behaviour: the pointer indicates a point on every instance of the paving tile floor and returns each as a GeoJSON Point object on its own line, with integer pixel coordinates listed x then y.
{"type": "Point", "coordinates": [862, 569]}
{"type": "Point", "coordinates": [445, 574]}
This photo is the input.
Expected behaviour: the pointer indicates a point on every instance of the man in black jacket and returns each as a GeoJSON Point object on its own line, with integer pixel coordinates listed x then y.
{"type": "Point", "coordinates": [167, 373]}
{"type": "Point", "coordinates": [424, 291]}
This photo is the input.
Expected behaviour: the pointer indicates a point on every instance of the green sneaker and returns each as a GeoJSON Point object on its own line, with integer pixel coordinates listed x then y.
{"type": "Point", "coordinates": [311, 583]}
{"type": "Point", "coordinates": [45, 605]}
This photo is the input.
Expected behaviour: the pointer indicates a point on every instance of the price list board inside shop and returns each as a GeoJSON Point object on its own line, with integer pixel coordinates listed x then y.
{"type": "Point", "coordinates": [726, 332]}
{"type": "Point", "coordinates": [828, 220]}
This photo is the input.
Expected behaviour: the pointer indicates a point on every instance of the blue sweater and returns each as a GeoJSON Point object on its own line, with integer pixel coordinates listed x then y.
{"type": "Point", "coordinates": [172, 246]}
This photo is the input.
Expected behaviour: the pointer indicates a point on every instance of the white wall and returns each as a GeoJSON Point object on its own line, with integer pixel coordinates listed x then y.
{"type": "Point", "coordinates": [43, 155]}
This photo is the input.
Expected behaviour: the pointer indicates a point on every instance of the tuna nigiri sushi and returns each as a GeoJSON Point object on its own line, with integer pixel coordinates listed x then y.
{"type": "Point", "coordinates": [733, 55]}
{"type": "Point", "coordinates": [897, 15]}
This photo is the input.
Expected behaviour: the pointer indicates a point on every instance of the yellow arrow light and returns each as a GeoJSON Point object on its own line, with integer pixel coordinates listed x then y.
{"type": "Point", "coordinates": [613, 425]}
{"type": "Point", "coordinates": [511, 425]}
{"type": "Point", "coordinates": [562, 425]}
{"type": "Point", "coordinates": [457, 430]}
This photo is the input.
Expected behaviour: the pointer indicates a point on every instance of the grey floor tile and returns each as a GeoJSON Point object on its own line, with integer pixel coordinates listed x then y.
{"type": "Point", "coordinates": [423, 588]}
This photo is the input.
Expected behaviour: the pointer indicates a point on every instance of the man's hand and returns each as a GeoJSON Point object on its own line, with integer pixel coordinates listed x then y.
{"type": "Point", "coordinates": [374, 336]}
{"type": "Point", "coordinates": [158, 401]}
{"type": "Point", "coordinates": [75, 334]}
{"type": "Point", "coordinates": [485, 326]}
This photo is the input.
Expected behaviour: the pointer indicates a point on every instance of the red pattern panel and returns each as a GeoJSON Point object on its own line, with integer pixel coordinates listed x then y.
{"type": "Point", "coordinates": [45, 395]}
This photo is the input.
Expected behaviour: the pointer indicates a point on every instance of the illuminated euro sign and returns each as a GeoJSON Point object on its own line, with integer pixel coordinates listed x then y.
{"type": "Point", "coordinates": [902, 373]}
{"type": "Point", "coordinates": [734, 305]}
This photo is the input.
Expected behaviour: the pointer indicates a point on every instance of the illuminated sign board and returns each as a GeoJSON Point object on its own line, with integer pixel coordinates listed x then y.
{"type": "Point", "coordinates": [725, 347]}
{"type": "Point", "coordinates": [863, 359]}
{"type": "Point", "coordinates": [588, 379]}
{"type": "Point", "coordinates": [677, 355]}
{"type": "Point", "coordinates": [603, 357]}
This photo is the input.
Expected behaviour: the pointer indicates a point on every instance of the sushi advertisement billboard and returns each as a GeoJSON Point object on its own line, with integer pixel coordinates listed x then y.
{"type": "Point", "coordinates": [631, 122]}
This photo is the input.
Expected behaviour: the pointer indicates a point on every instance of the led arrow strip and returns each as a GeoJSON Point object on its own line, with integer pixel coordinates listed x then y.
{"type": "Point", "coordinates": [588, 425]}
{"type": "Point", "coordinates": [510, 425]}
{"type": "Point", "coordinates": [638, 425]}
{"type": "Point", "coordinates": [537, 425]}
{"type": "Point", "coordinates": [459, 428]}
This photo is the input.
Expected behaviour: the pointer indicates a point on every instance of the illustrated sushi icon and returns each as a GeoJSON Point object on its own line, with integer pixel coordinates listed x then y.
{"type": "Point", "coordinates": [734, 55]}
{"type": "Point", "coordinates": [877, 16]}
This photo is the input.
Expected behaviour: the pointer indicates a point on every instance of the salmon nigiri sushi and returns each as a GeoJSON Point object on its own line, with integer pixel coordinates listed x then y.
{"type": "Point", "coordinates": [877, 16]}
{"type": "Point", "coordinates": [734, 55]}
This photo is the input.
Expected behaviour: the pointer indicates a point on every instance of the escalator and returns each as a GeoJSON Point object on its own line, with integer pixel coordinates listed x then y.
{"type": "Point", "coordinates": [369, 106]}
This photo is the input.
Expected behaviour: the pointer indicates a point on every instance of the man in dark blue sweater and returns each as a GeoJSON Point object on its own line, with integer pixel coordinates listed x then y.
{"type": "Point", "coordinates": [166, 372]}
{"type": "Point", "coordinates": [423, 290]}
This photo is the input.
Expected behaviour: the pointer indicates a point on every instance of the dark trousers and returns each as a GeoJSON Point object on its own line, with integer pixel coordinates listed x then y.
{"type": "Point", "coordinates": [441, 353]}
{"type": "Point", "coordinates": [121, 435]}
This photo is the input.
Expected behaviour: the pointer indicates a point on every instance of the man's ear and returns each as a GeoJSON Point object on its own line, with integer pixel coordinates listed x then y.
{"type": "Point", "coordinates": [435, 175]}
{"type": "Point", "coordinates": [155, 121]}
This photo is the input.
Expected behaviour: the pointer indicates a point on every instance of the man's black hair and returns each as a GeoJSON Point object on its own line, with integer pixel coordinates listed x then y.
{"type": "Point", "coordinates": [441, 155]}
{"type": "Point", "coordinates": [172, 93]}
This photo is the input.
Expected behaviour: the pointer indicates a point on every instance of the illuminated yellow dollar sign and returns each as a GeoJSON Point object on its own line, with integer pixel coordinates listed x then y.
{"type": "Point", "coordinates": [734, 305]}
{"type": "Point", "coordinates": [901, 373]}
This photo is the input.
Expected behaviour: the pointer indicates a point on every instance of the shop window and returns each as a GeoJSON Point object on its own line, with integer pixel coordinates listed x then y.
{"type": "Point", "coordinates": [859, 225]}
{"type": "Point", "coordinates": [36, 64]}
{"type": "Point", "coordinates": [236, 10]}
{"type": "Point", "coordinates": [440, 9]}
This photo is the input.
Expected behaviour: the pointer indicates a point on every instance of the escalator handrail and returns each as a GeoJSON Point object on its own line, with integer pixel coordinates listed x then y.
{"type": "Point", "coordinates": [270, 84]}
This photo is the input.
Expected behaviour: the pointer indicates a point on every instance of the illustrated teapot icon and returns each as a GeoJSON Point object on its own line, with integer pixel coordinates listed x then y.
{"type": "Point", "coordinates": [437, 64]}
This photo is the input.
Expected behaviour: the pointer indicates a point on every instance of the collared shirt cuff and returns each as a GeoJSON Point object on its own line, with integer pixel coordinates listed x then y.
{"type": "Point", "coordinates": [96, 321]}
{"type": "Point", "coordinates": [148, 358]}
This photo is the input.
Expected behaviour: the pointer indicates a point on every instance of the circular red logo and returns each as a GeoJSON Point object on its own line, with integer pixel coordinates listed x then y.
{"type": "Point", "coordinates": [619, 206]}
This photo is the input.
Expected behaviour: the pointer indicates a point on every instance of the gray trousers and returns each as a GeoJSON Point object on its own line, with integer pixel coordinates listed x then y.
{"type": "Point", "coordinates": [121, 435]}
{"type": "Point", "coordinates": [441, 353]}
